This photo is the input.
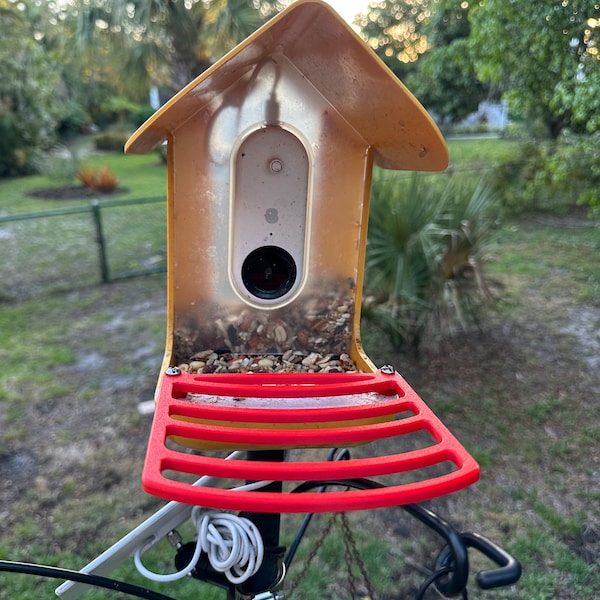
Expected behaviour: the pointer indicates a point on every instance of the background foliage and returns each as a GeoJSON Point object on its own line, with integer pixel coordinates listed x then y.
{"type": "Point", "coordinates": [423, 268]}
{"type": "Point", "coordinates": [29, 110]}
{"type": "Point", "coordinates": [543, 61]}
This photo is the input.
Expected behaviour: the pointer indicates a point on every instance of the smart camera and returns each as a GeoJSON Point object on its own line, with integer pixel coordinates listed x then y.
{"type": "Point", "coordinates": [268, 213]}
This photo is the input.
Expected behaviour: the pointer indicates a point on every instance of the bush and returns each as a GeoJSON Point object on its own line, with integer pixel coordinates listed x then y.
{"type": "Point", "coordinates": [551, 177]}
{"type": "Point", "coordinates": [103, 181]}
{"type": "Point", "coordinates": [423, 270]}
{"type": "Point", "coordinates": [111, 141]}
{"type": "Point", "coordinates": [29, 103]}
{"type": "Point", "coordinates": [140, 115]}
{"type": "Point", "coordinates": [123, 112]}
{"type": "Point", "coordinates": [61, 168]}
{"type": "Point", "coordinates": [582, 172]}
{"type": "Point", "coordinates": [74, 118]}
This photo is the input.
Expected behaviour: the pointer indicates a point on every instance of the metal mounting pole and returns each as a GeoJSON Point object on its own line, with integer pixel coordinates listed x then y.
{"type": "Point", "coordinates": [268, 525]}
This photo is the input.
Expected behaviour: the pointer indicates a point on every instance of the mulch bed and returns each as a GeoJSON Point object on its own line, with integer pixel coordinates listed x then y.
{"type": "Point", "coordinates": [71, 192]}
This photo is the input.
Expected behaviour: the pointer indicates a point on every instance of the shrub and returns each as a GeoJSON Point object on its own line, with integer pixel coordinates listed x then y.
{"type": "Point", "coordinates": [74, 117]}
{"type": "Point", "coordinates": [111, 141]}
{"type": "Point", "coordinates": [140, 115]}
{"type": "Point", "coordinates": [60, 165]}
{"type": "Point", "coordinates": [106, 182]}
{"type": "Point", "coordinates": [116, 109]}
{"type": "Point", "coordinates": [423, 270]}
{"type": "Point", "coordinates": [582, 172]}
{"type": "Point", "coordinates": [29, 102]}
{"type": "Point", "coordinates": [120, 111]}
{"type": "Point", "coordinates": [103, 181]}
{"type": "Point", "coordinates": [550, 177]}
{"type": "Point", "coordinates": [520, 182]}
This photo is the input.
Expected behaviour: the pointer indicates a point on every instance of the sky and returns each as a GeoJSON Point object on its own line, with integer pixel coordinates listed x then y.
{"type": "Point", "coordinates": [348, 8]}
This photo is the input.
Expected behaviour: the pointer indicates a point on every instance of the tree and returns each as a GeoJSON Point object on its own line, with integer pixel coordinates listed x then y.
{"type": "Point", "coordinates": [425, 43]}
{"type": "Point", "coordinates": [29, 104]}
{"type": "Point", "coordinates": [544, 57]}
{"type": "Point", "coordinates": [445, 79]}
{"type": "Point", "coordinates": [84, 79]}
{"type": "Point", "coordinates": [170, 41]}
{"type": "Point", "coordinates": [394, 30]}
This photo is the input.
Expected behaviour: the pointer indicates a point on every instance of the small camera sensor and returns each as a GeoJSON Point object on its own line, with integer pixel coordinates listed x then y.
{"type": "Point", "coordinates": [269, 272]}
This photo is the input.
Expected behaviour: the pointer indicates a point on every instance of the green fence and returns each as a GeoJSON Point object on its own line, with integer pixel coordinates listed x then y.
{"type": "Point", "coordinates": [66, 248]}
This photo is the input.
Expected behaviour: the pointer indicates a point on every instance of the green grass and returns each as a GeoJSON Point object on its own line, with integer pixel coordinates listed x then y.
{"type": "Point", "coordinates": [481, 152]}
{"type": "Point", "coordinates": [505, 432]}
{"type": "Point", "coordinates": [143, 176]}
{"type": "Point", "coordinates": [139, 176]}
{"type": "Point", "coordinates": [526, 405]}
{"type": "Point", "coordinates": [60, 253]}
{"type": "Point", "coordinates": [542, 258]}
{"type": "Point", "coordinates": [29, 353]}
{"type": "Point", "coordinates": [470, 161]}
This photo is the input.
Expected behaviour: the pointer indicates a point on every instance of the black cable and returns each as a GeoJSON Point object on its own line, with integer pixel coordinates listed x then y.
{"type": "Point", "coordinates": [87, 578]}
{"type": "Point", "coordinates": [433, 579]}
{"type": "Point", "coordinates": [458, 572]}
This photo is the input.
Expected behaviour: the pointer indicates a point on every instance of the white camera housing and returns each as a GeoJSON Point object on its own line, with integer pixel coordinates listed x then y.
{"type": "Point", "coordinates": [269, 210]}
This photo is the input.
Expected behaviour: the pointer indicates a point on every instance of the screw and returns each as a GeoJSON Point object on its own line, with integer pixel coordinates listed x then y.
{"type": "Point", "coordinates": [276, 165]}
{"type": "Point", "coordinates": [172, 371]}
{"type": "Point", "coordinates": [175, 539]}
{"type": "Point", "coordinates": [387, 370]}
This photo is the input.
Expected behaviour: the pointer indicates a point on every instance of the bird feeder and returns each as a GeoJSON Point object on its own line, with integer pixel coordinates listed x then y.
{"type": "Point", "coordinates": [270, 155]}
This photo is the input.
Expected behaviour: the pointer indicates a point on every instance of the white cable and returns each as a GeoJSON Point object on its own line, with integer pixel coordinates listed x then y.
{"type": "Point", "coordinates": [233, 544]}
{"type": "Point", "coordinates": [255, 485]}
{"type": "Point", "coordinates": [137, 559]}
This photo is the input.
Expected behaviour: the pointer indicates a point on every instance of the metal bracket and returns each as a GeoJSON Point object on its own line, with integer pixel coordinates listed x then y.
{"type": "Point", "coordinates": [147, 534]}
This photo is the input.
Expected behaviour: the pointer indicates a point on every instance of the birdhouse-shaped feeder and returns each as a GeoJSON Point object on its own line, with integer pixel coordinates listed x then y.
{"type": "Point", "coordinates": [270, 156]}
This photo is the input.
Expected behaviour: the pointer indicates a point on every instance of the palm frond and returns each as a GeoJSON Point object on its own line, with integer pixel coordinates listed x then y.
{"type": "Point", "coordinates": [421, 260]}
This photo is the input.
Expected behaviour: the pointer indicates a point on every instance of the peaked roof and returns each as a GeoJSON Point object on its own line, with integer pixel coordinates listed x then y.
{"type": "Point", "coordinates": [342, 68]}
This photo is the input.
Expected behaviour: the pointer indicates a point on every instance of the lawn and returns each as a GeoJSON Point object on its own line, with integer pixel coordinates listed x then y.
{"type": "Point", "coordinates": [521, 395]}
{"type": "Point", "coordinates": [139, 177]}
{"type": "Point", "coordinates": [60, 252]}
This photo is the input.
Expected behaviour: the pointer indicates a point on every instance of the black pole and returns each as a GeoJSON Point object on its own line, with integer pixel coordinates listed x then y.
{"type": "Point", "coordinates": [268, 524]}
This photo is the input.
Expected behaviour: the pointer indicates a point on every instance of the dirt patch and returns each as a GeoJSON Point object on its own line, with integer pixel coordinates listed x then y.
{"type": "Point", "coordinates": [92, 428]}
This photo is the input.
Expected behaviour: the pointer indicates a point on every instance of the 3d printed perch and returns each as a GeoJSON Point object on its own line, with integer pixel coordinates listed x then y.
{"type": "Point", "coordinates": [391, 410]}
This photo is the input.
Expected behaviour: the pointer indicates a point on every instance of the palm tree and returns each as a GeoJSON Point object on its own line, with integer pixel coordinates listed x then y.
{"type": "Point", "coordinates": [170, 42]}
{"type": "Point", "coordinates": [402, 250]}
{"type": "Point", "coordinates": [423, 269]}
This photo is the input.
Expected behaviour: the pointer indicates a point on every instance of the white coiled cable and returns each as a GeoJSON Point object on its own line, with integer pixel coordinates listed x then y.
{"type": "Point", "coordinates": [233, 544]}
{"type": "Point", "coordinates": [165, 578]}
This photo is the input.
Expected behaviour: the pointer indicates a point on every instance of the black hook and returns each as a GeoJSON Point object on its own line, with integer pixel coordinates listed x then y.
{"type": "Point", "coordinates": [509, 570]}
{"type": "Point", "coordinates": [452, 565]}
{"type": "Point", "coordinates": [455, 581]}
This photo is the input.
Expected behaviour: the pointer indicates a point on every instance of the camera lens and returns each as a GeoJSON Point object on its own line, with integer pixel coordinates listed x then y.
{"type": "Point", "coordinates": [269, 272]}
